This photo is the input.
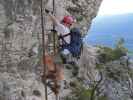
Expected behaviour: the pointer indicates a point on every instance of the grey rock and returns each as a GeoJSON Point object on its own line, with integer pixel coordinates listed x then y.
{"type": "Point", "coordinates": [20, 43]}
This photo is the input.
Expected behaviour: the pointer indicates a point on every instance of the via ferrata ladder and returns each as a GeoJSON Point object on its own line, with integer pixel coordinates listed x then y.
{"type": "Point", "coordinates": [50, 68]}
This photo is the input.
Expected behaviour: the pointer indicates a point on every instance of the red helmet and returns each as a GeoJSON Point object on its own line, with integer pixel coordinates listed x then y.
{"type": "Point", "coordinates": [68, 20]}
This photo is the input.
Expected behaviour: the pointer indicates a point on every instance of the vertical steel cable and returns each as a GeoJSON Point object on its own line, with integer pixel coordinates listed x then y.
{"type": "Point", "coordinates": [56, 98]}
{"type": "Point", "coordinates": [54, 38]}
{"type": "Point", "coordinates": [54, 44]}
{"type": "Point", "coordinates": [43, 47]}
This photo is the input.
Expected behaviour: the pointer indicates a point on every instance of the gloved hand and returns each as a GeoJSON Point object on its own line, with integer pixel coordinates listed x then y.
{"type": "Point", "coordinates": [47, 11]}
{"type": "Point", "coordinates": [53, 30]}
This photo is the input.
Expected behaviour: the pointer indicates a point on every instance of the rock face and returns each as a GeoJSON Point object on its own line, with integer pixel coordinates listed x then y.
{"type": "Point", "coordinates": [118, 80]}
{"type": "Point", "coordinates": [88, 63]}
{"type": "Point", "coordinates": [20, 39]}
{"type": "Point", "coordinates": [20, 52]}
{"type": "Point", "coordinates": [117, 77]}
{"type": "Point", "coordinates": [14, 86]}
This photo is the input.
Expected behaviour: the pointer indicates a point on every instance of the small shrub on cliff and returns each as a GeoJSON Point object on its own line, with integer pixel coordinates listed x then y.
{"type": "Point", "coordinates": [79, 18]}
{"type": "Point", "coordinates": [120, 50]}
{"type": "Point", "coordinates": [75, 70]}
{"type": "Point", "coordinates": [79, 92]}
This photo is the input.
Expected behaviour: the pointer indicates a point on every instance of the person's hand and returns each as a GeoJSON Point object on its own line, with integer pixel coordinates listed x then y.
{"type": "Point", "coordinates": [47, 11]}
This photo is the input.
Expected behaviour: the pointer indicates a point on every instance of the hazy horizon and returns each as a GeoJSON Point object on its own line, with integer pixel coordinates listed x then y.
{"type": "Point", "coordinates": [114, 7]}
{"type": "Point", "coordinates": [106, 30]}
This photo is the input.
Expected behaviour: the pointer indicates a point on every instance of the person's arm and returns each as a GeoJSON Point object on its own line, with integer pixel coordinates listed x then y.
{"type": "Point", "coordinates": [54, 19]}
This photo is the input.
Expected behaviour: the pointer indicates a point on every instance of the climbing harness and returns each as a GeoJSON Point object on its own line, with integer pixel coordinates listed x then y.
{"type": "Point", "coordinates": [76, 42]}
{"type": "Point", "coordinates": [54, 39]}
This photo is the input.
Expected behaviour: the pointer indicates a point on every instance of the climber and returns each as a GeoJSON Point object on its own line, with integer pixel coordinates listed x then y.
{"type": "Point", "coordinates": [62, 28]}
{"type": "Point", "coordinates": [69, 40]}
{"type": "Point", "coordinates": [66, 37]}
{"type": "Point", "coordinates": [76, 43]}
{"type": "Point", "coordinates": [75, 46]}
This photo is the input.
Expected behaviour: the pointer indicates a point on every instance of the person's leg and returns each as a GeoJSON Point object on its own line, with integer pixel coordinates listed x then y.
{"type": "Point", "coordinates": [65, 55]}
{"type": "Point", "coordinates": [65, 52]}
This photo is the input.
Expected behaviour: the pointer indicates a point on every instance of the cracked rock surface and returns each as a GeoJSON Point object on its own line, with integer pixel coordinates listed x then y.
{"type": "Point", "coordinates": [20, 40]}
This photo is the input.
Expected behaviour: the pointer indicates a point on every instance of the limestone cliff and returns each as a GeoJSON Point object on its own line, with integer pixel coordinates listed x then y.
{"type": "Point", "coordinates": [20, 38]}
{"type": "Point", "coordinates": [102, 76]}
{"type": "Point", "coordinates": [113, 79]}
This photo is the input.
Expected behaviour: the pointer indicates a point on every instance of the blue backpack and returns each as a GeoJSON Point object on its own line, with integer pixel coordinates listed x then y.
{"type": "Point", "coordinates": [75, 45]}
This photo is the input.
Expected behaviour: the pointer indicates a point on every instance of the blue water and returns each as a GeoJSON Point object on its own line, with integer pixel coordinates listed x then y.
{"type": "Point", "coordinates": [107, 30]}
{"type": "Point", "coordinates": [109, 39]}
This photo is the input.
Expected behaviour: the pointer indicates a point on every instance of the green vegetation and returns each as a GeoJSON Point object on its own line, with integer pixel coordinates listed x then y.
{"type": "Point", "coordinates": [107, 54]}
{"type": "Point", "coordinates": [130, 53]}
{"type": "Point", "coordinates": [79, 18]}
{"type": "Point", "coordinates": [110, 54]}
{"type": "Point", "coordinates": [102, 98]}
{"type": "Point", "coordinates": [99, 66]}
{"type": "Point", "coordinates": [92, 91]}
{"type": "Point", "coordinates": [75, 70]}
{"type": "Point", "coordinates": [81, 92]}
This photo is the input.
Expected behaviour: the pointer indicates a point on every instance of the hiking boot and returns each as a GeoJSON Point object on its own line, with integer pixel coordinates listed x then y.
{"type": "Point", "coordinates": [64, 58]}
{"type": "Point", "coordinates": [71, 62]}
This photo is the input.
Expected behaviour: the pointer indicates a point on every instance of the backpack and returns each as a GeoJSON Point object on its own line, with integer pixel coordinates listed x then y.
{"type": "Point", "coordinates": [76, 42]}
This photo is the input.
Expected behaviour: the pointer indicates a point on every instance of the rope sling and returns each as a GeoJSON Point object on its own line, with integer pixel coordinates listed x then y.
{"type": "Point", "coordinates": [54, 47]}
{"type": "Point", "coordinates": [43, 46]}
